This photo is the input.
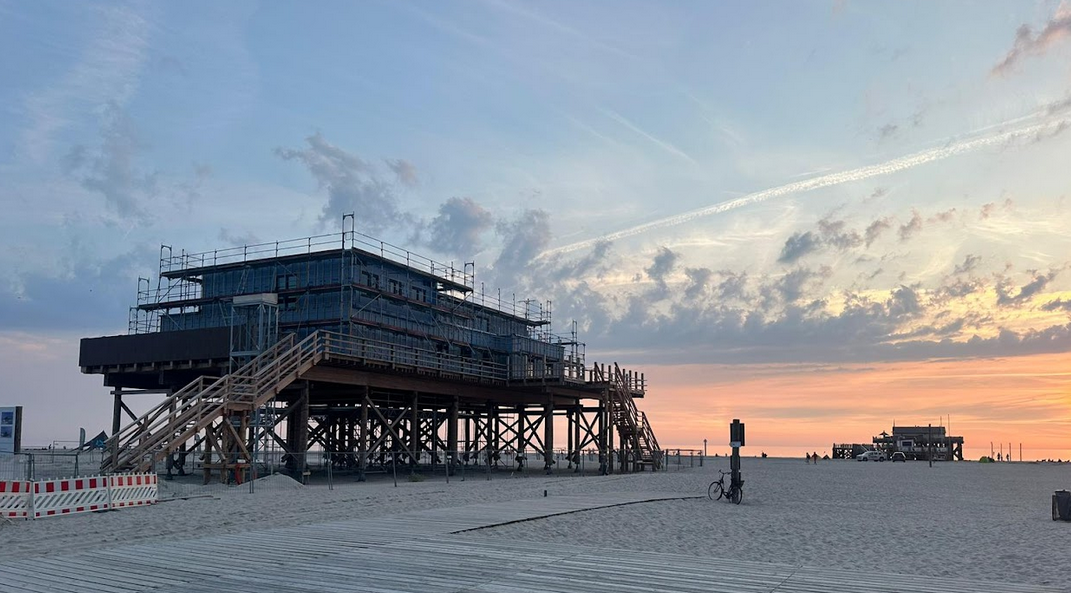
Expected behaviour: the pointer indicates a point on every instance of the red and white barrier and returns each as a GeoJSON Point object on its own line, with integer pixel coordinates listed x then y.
{"type": "Point", "coordinates": [14, 499]}
{"type": "Point", "coordinates": [70, 496]}
{"type": "Point", "coordinates": [134, 490]}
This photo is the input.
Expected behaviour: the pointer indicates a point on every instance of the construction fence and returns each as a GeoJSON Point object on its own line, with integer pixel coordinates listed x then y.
{"type": "Point", "coordinates": [326, 469]}
{"type": "Point", "coordinates": [35, 499]}
{"type": "Point", "coordinates": [275, 470]}
{"type": "Point", "coordinates": [43, 464]}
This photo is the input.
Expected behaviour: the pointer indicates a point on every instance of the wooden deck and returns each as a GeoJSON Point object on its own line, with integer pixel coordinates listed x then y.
{"type": "Point", "coordinates": [441, 550]}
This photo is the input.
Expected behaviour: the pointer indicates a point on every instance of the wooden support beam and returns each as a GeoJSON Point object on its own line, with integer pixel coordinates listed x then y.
{"type": "Point", "coordinates": [535, 440]}
{"type": "Point", "coordinates": [279, 441]}
{"type": "Point", "coordinates": [521, 443]}
{"type": "Point", "coordinates": [604, 449]}
{"type": "Point", "coordinates": [210, 445]}
{"type": "Point", "coordinates": [494, 427]}
{"type": "Point", "coordinates": [390, 428]}
{"type": "Point", "coordinates": [362, 442]}
{"type": "Point", "coordinates": [589, 426]}
{"type": "Point", "coordinates": [432, 442]}
{"type": "Point", "coordinates": [569, 438]}
{"type": "Point", "coordinates": [300, 418]}
{"type": "Point", "coordinates": [451, 439]}
{"type": "Point", "coordinates": [238, 446]}
{"type": "Point", "coordinates": [117, 425]}
{"type": "Point", "coordinates": [548, 437]}
{"type": "Point", "coordinates": [130, 413]}
{"type": "Point", "coordinates": [468, 438]}
{"type": "Point", "coordinates": [414, 434]}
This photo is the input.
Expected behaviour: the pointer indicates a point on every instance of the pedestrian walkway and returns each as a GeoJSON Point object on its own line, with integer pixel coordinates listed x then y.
{"type": "Point", "coordinates": [440, 550]}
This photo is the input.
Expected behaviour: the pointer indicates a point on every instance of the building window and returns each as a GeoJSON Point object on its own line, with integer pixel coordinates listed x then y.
{"type": "Point", "coordinates": [371, 280]}
{"type": "Point", "coordinates": [419, 294]}
{"type": "Point", "coordinates": [395, 287]}
{"type": "Point", "coordinates": [285, 282]}
{"type": "Point", "coordinates": [288, 303]}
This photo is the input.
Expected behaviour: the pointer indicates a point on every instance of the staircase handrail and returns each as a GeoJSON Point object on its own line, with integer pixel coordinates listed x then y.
{"type": "Point", "coordinates": [266, 380]}
{"type": "Point", "coordinates": [638, 427]}
{"type": "Point", "coordinates": [625, 395]}
{"type": "Point", "coordinates": [182, 401]}
{"type": "Point", "coordinates": [204, 399]}
{"type": "Point", "coordinates": [186, 405]}
{"type": "Point", "coordinates": [649, 433]}
{"type": "Point", "coordinates": [148, 435]}
{"type": "Point", "coordinates": [194, 387]}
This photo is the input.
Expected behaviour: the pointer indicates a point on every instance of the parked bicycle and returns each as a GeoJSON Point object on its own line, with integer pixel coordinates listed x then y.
{"type": "Point", "coordinates": [733, 493]}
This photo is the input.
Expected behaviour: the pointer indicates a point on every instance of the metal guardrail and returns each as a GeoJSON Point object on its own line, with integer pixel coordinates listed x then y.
{"type": "Point", "coordinates": [317, 243]}
{"type": "Point", "coordinates": [171, 262]}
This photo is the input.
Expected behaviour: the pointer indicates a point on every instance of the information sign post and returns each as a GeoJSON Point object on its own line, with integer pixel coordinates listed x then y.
{"type": "Point", "coordinates": [736, 440]}
{"type": "Point", "coordinates": [10, 429]}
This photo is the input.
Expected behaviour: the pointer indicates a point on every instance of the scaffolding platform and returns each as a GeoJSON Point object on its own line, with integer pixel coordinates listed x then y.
{"type": "Point", "coordinates": [358, 347]}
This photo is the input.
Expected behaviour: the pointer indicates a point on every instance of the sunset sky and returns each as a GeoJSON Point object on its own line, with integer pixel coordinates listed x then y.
{"type": "Point", "coordinates": [818, 217]}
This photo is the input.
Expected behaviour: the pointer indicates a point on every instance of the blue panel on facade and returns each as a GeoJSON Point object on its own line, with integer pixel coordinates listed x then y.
{"type": "Point", "coordinates": [419, 316]}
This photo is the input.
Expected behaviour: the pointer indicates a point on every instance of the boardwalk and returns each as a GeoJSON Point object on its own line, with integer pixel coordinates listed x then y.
{"type": "Point", "coordinates": [439, 550]}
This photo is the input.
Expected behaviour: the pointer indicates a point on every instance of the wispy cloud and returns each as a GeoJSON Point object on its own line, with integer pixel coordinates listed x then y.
{"type": "Point", "coordinates": [1028, 43]}
{"type": "Point", "coordinates": [518, 9]}
{"type": "Point", "coordinates": [1038, 124]}
{"type": "Point", "coordinates": [354, 184]}
{"type": "Point", "coordinates": [666, 146]}
{"type": "Point", "coordinates": [107, 72]}
{"type": "Point", "coordinates": [731, 136]}
{"type": "Point", "coordinates": [445, 26]}
{"type": "Point", "coordinates": [112, 170]}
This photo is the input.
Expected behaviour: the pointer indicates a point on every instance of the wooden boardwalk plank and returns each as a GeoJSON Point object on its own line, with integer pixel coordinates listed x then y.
{"type": "Point", "coordinates": [442, 550]}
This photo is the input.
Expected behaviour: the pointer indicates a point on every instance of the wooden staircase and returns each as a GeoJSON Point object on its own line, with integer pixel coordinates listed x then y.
{"type": "Point", "coordinates": [214, 405]}
{"type": "Point", "coordinates": [220, 409]}
{"type": "Point", "coordinates": [637, 438]}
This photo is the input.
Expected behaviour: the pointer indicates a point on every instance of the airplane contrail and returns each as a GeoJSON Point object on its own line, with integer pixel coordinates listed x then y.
{"type": "Point", "coordinates": [858, 174]}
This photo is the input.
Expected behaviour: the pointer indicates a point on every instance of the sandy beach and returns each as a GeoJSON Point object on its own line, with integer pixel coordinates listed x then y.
{"type": "Point", "coordinates": [966, 520]}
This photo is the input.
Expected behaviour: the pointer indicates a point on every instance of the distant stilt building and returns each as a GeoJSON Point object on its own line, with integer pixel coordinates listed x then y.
{"type": "Point", "coordinates": [915, 442]}
{"type": "Point", "coordinates": [351, 346]}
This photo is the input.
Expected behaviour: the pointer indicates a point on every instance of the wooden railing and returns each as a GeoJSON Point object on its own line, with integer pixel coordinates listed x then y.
{"type": "Point", "coordinates": [648, 433]}
{"type": "Point", "coordinates": [632, 424]}
{"type": "Point", "coordinates": [337, 345]}
{"type": "Point", "coordinates": [633, 381]}
{"type": "Point", "coordinates": [192, 409]}
{"type": "Point", "coordinates": [178, 417]}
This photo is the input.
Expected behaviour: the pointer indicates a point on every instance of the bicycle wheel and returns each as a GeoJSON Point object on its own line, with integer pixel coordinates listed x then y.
{"type": "Point", "coordinates": [715, 491]}
{"type": "Point", "coordinates": [736, 495]}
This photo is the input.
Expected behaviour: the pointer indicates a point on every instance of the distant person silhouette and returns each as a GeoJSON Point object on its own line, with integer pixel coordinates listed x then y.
{"type": "Point", "coordinates": [815, 458]}
{"type": "Point", "coordinates": [808, 458]}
